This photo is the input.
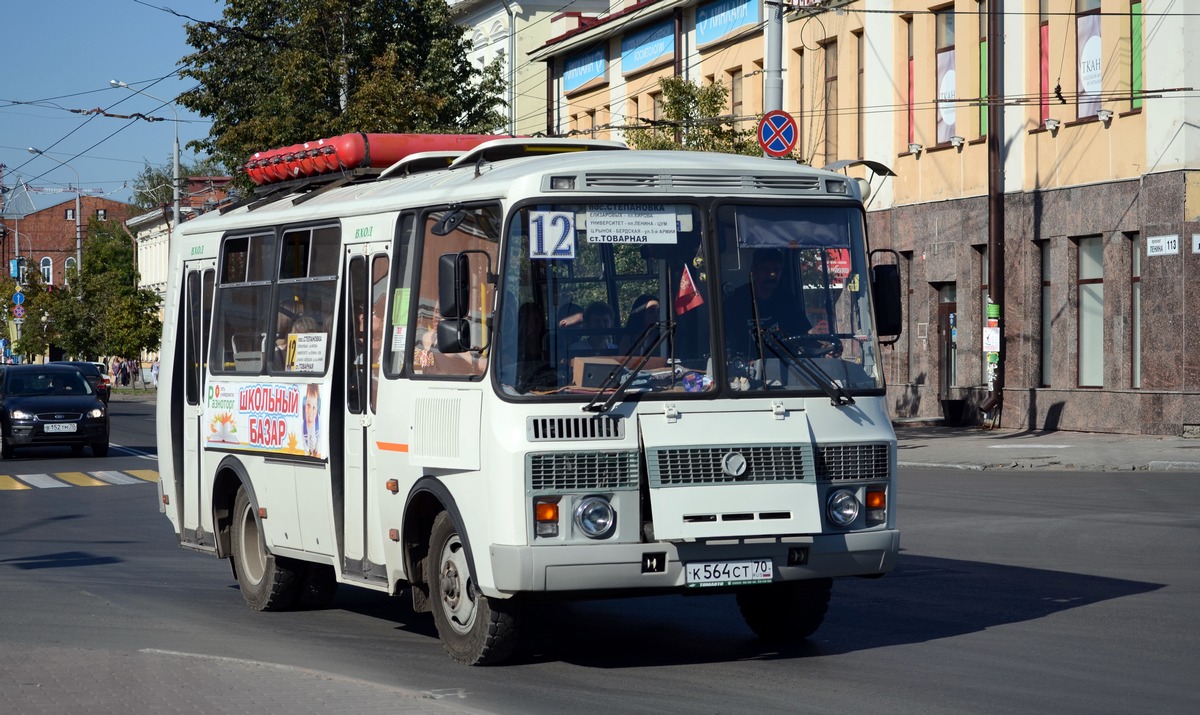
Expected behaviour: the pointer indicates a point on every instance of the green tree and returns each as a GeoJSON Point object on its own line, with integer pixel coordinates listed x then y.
{"type": "Point", "coordinates": [695, 118]}
{"type": "Point", "coordinates": [152, 185]}
{"type": "Point", "coordinates": [277, 73]}
{"type": "Point", "coordinates": [102, 312]}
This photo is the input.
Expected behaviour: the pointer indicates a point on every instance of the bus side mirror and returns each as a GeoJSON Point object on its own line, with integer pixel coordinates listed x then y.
{"type": "Point", "coordinates": [454, 287]}
{"type": "Point", "coordinates": [885, 290]}
{"type": "Point", "coordinates": [453, 335]}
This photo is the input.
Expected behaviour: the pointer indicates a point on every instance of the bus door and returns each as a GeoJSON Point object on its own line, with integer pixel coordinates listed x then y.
{"type": "Point", "coordinates": [195, 525]}
{"type": "Point", "coordinates": [367, 271]}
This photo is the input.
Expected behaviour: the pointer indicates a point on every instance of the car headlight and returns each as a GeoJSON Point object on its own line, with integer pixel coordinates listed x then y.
{"type": "Point", "coordinates": [595, 517]}
{"type": "Point", "coordinates": [96, 412]}
{"type": "Point", "coordinates": [842, 507]}
{"type": "Point", "coordinates": [21, 415]}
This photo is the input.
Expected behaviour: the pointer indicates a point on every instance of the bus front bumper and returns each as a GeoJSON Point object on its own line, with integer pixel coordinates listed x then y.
{"type": "Point", "coordinates": [660, 566]}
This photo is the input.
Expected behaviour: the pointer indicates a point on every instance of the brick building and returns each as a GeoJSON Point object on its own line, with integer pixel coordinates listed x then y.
{"type": "Point", "coordinates": [46, 238]}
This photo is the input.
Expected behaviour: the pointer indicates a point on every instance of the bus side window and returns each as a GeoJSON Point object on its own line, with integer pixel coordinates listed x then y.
{"type": "Point", "coordinates": [243, 304]}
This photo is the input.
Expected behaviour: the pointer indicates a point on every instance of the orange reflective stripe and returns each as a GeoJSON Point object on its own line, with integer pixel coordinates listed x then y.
{"type": "Point", "coordinates": [391, 446]}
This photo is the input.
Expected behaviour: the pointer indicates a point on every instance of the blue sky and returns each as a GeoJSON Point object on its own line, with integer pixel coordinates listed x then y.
{"type": "Point", "coordinates": [59, 55]}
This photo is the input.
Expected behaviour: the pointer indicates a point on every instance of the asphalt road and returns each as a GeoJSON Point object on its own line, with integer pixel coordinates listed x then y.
{"type": "Point", "coordinates": [1017, 591]}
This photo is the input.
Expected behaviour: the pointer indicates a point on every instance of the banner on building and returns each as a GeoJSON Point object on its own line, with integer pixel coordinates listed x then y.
{"type": "Point", "coordinates": [947, 97]}
{"type": "Point", "coordinates": [723, 20]}
{"type": "Point", "coordinates": [585, 70]}
{"type": "Point", "coordinates": [648, 47]}
{"type": "Point", "coordinates": [1091, 75]}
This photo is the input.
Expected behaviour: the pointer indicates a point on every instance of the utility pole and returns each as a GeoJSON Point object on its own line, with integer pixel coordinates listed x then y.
{"type": "Point", "coordinates": [995, 99]}
{"type": "Point", "coordinates": [773, 72]}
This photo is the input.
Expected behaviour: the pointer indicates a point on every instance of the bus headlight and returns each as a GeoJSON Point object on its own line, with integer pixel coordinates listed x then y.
{"type": "Point", "coordinates": [842, 507]}
{"type": "Point", "coordinates": [595, 517]}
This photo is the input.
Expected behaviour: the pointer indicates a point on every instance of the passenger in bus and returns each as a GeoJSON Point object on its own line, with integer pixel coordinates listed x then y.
{"type": "Point", "coordinates": [570, 315]}
{"type": "Point", "coordinates": [598, 332]}
{"type": "Point", "coordinates": [642, 315]}
{"type": "Point", "coordinates": [766, 298]}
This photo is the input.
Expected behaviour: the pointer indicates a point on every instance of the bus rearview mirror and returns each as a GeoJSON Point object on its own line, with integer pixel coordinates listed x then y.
{"type": "Point", "coordinates": [454, 287]}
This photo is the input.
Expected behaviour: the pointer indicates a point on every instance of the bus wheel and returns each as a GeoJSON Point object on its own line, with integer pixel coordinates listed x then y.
{"type": "Point", "coordinates": [785, 612]}
{"type": "Point", "coordinates": [474, 629]}
{"type": "Point", "coordinates": [268, 582]}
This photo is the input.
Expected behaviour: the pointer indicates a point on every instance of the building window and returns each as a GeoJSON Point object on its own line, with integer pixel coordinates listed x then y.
{"type": "Point", "coordinates": [1135, 310]}
{"type": "Point", "coordinates": [656, 101]}
{"type": "Point", "coordinates": [735, 92]}
{"type": "Point", "coordinates": [983, 66]}
{"type": "Point", "coordinates": [1044, 59]}
{"type": "Point", "coordinates": [69, 214]}
{"type": "Point", "coordinates": [47, 271]}
{"type": "Point", "coordinates": [909, 114]}
{"type": "Point", "coordinates": [101, 214]}
{"type": "Point", "coordinates": [69, 265]}
{"type": "Point", "coordinates": [800, 103]}
{"type": "Point", "coordinates": [831, 102]}
{"type": "Point", "coordinates": [1047, 314]}
{"type": "Point", "coordinates": [1090, 287]}
{"type": "Point", "coordinates": [1089, 70]}
{"type": "Point", "coordinates": [947, 93]}
{"type": "Point", "coordinates": [1135, 54]}
{"type": "Point", "coordinates": [861, 100]}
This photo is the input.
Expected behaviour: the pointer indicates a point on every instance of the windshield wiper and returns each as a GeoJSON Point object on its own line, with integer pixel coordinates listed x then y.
{"type": "Point", "coordinates": [666, 329]}
{"type": "Point", "coordinates": [837, 394]}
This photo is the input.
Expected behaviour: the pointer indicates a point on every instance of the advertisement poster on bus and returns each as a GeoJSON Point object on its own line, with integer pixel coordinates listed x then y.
{"type": "Point", "coordinates": [275, 418]}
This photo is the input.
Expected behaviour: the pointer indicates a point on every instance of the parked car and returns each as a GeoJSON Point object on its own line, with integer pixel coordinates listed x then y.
{"type": "Point", "coordinates": [96, 377]}
{"type": "Point", "coordinates": [50, 405]}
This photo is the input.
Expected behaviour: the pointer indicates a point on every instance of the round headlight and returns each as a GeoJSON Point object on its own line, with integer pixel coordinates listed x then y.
{"type": "Point", "coordinates": [595, 517]}
{"type": "Point", "coordinates": [843, 507]}
{"type": "Point", "coordinates": [96, 412]}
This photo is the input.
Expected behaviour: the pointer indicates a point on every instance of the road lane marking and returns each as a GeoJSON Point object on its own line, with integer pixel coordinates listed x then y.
{"type": "Point", "coordinates": [41, 481]}
{"type": "Point", "coordinates": [80, 479]}
{"type": "Point", "coordinates": [115, 478]}
{"type": "Point", "coordinates": [149, 475]}
{"type": "Point", "coordinates": [8, 483]}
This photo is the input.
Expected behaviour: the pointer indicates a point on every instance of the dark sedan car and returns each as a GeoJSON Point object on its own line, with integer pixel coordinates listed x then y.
{"type": "Point", "coordinates": [91, 372]}
{"type": "Point", "coordinates": [43, 405]}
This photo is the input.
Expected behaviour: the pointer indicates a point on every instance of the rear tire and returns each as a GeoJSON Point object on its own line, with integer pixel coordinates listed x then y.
{"type": "Point", "coordinates": [474, 629]}
{"type": "Point", "coordinates": [785, 612]}
{"type": "Point", "coordinates": [268, 582]}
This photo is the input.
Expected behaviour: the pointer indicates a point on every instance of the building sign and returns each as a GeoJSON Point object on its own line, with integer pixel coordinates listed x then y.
{"type": "Point", "coordinates": [724, 19]}
{"type": "Point", "coordinates": [1162, 246]}
{"type": "Point", "coordinates": [648, 47]}
{"type": "Point", "coordinates": [585, 70]}
{"type": "Point", "coordinates": [1090, 73]}
{"type": "Point", "coordinates": [268, 417]}
{"type": "Point", "coordinates": [947, 96]}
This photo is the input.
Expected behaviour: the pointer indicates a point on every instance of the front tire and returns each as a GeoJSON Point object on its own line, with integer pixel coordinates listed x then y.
{"type": "Point", "coordinates": [100, 449]}
{"type": "Point", "coordinates": [268, 582]}
{"type": "Point", "coordinates": [6, 448]}
{"type": "Point", "coordinates": [785, 612]}
{"type": "Point", "coordinates": [474, 629]}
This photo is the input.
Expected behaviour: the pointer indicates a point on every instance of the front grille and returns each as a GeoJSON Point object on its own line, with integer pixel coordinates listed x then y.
{"type": "Point", "coordinates": [575, 427]}
{"type": "Point", "coordinates": [837, 462]}
{"type": "Point", "coordinates": [581, 471]}
{"type": "Point", "coordinates": [703, 465]}
{"type": "Point", "coordinates": [60, 416]}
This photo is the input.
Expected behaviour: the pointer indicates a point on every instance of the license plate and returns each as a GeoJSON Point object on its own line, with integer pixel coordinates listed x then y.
{"type": "Point", "coordinates": [59, 427]}
{"type": "Point", "coordinates": [728, 573]}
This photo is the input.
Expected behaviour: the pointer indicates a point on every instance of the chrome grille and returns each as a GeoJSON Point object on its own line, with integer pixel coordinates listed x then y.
{"type": "Point", "coordinates": [837, 462]}
{"type": "Point", "coordinates": [702, 465]}
{"type": "Point", "coordinates": [559, 429]}
{"type": "Point", "coordinates": [59, 416]}
{"type": "Point", "coordinates": [581, 471]}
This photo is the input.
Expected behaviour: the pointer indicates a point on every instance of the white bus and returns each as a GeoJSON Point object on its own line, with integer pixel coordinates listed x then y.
{"type": "Point", "coordinates": [532, 369]}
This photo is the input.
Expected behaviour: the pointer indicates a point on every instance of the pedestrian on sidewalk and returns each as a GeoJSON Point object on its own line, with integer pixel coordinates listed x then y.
{"type": "Point", "coordinates": [154, 373]}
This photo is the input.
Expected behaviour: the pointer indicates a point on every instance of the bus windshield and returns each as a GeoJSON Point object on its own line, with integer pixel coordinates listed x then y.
{"type": "Point", "coordinates": [761, 297]}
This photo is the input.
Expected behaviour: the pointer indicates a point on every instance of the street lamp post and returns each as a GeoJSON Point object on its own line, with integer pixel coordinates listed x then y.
{"type": "Point", "coordinates": [176, 182]}
{"type": "Point", "coordinates": [78, 224]}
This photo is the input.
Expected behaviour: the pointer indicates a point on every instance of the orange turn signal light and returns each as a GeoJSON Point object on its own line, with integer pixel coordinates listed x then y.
{"type": "Point", "coordinates": [392, 485]}
{"type": "Point", "coordinates": [545, 511]}
{"type": "Point", "coordinates": [876, 500]}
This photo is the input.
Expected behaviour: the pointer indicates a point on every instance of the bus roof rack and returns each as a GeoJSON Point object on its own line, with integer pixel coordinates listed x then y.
{"type": "Point", "coordinates": [508, 148]}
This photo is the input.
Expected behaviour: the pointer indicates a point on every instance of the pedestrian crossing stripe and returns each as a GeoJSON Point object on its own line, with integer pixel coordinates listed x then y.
{"type": "Point", "coordinates": [105, 478]}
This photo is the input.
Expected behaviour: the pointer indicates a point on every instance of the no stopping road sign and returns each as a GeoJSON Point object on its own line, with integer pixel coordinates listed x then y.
{"type": "Point", "coordinates": [777, 133]}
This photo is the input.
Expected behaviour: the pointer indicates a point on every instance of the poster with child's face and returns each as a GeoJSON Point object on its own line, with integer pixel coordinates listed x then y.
{"type": "Point", "coordinates": [268, 417]}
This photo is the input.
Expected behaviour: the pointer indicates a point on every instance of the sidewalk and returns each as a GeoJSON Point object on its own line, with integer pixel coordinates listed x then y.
{"type": "Point", "coordinates": [929, 444]}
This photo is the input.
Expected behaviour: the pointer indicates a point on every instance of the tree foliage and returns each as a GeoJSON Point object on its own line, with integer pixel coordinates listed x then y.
{"type": "Point", "coordinates": [274, 73]}
{"type": "Point", "coordinates": [152, 188]}
{"type": "Point", "coordinates": [99, 313]}
{"type": "Point", "coordinates": [695, 118]}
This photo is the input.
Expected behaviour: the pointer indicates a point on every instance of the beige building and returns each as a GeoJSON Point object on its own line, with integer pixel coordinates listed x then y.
{"type": "Point", "coordinates": [1100, 162]}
